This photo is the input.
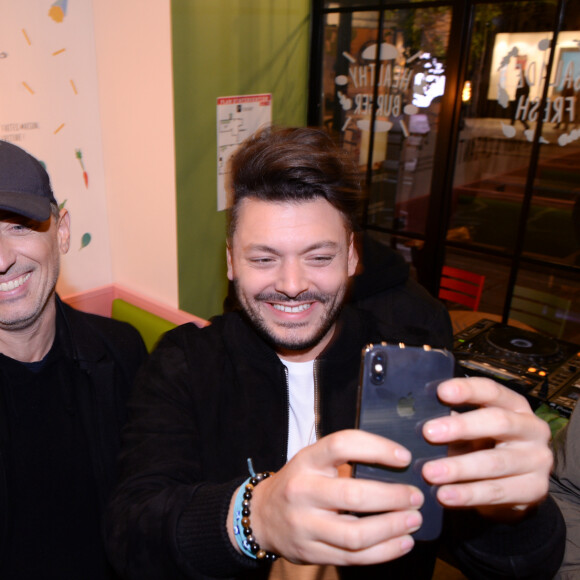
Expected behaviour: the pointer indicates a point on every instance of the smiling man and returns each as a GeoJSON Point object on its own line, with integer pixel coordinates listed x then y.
{"type": "Point", "coordinates": [64, 379]}
{"type": "Point", "coordinates": [276, 382]}
{"type": "Point", "coordinates": [290, 265]}
{"type": "Point", "coordinates": [25, 291]}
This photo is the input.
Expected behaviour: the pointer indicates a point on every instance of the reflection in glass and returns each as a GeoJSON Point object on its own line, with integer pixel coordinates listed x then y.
{"type": "Point", "coordinates": [556, 192]}
{"type": "Point", "coordinates": [518, 154]}
{"type": "Point", "coordinates": [506, 69]}
{"type": "Point", "coordinates": [508, 63]}
{"type": "Point", "coordinates": [405, 72]}
{"type": "Point", "coordinates": [513, 194]}
{"type": "Point", "coordinates": [549, 302]}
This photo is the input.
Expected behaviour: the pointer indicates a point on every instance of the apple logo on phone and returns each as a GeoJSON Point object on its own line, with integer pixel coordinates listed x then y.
{"type": "Point", "coordinates": [406, 406]}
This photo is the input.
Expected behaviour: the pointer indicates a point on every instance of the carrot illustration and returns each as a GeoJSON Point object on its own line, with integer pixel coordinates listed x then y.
{"type": "Point", "coordinates": [79, 156]}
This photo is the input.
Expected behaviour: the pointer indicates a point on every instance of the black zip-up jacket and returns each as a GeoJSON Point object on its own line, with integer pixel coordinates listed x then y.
{"type": "Point", "coordinates": [210, 398]}
{"type": "Point", "coordinates": [107, 354]}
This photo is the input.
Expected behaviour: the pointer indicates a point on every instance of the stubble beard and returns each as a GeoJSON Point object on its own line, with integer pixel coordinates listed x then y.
{"type": "Point", "coordinates": [332, 306]}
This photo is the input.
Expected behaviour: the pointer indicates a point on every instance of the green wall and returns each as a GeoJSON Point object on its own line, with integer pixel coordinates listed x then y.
{"type": "Point", "coordinates": [223, 48]}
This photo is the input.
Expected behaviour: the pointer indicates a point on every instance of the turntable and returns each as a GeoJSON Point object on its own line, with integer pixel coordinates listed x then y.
{"type": "Point", "coordinates": [544, 369]}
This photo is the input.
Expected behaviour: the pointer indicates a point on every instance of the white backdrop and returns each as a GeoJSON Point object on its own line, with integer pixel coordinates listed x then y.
{"type": "Point", "coordinates": [49, 106]}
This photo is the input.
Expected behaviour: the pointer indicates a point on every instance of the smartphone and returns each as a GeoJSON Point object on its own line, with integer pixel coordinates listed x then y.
{"type": "Point", "coordinates": [397, 395]}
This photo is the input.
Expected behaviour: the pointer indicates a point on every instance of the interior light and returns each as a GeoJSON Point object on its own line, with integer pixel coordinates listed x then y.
{"type": "Point", "coordinates": [466, 94]}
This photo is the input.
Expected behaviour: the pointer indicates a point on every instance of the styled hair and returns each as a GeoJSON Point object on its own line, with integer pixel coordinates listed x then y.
{"type": "Point", "coordinates": [280, 164]}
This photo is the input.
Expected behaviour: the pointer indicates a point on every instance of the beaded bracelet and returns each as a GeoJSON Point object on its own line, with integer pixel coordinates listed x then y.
{"type": "Point", "coordinates": [242, 530]}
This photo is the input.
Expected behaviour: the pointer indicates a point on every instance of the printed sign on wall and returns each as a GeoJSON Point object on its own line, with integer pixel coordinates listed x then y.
{"type": "Point", "coordinates": [237, 118]}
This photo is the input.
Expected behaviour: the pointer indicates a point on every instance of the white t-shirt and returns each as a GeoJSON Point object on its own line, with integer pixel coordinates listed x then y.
{"type": "Point", "coordinates": [301, 432]}
{"type": "Point", "coordinates": [302, 417]}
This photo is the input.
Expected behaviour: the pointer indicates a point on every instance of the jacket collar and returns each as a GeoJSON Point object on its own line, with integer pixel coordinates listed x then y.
{"type": "Point", "coordinates": [77, 341]}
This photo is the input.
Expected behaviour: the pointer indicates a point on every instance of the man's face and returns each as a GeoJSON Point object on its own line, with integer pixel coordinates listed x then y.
{"type": "Point", "coordinates": [29, 266]}
{"type": "Point", "coordinates": [290, 263]}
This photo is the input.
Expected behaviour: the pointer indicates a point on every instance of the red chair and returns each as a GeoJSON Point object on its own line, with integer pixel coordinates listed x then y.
{"type": "Point", "coordinates": [461, 286]}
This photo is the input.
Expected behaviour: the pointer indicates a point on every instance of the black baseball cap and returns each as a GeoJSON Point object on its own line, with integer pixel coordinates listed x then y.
{"type": "Point", "coordinates": [24, 184]}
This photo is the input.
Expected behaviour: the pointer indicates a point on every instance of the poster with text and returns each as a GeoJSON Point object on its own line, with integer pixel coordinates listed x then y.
{"type": "Point", "coordinates": [237, 118]}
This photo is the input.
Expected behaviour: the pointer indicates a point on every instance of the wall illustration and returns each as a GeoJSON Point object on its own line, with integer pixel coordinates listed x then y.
{"type": "Point", "coordinates": [58, 10]}
{"type": "Point", "coordinates": [49, 107]}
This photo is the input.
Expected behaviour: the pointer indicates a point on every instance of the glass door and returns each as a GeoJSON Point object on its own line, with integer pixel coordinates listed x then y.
{"type": "Point", "coordinates": [396, 59]}
{"type": "Point", "coordinates": [517, 162]}
{"type": "Point", "coordinates": [464, 118]}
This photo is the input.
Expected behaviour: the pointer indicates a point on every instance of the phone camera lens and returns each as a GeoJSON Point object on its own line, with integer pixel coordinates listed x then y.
{"type": "Point", "coordinates": [378, 369]}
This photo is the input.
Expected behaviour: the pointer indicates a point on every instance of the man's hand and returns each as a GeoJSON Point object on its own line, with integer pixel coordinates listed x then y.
{"type": "Point", "coordinates": [499, 463]}
{"type": "Point", "coordinates": [499, 456]}
{"type": "Point", "coordinates": [302, 512]}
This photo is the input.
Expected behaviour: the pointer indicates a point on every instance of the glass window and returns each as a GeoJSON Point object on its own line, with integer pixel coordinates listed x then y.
{"type": "Point", "coordinates": [548, 301]}
{"type": "Point", "coordinates": [471, 161]}
{"type": "Point", "coordinates": [517, 171]}
{"type": "Point", "coordinates": [405, 74]}
{"type": "Point", "coordinates": [510, 48]}
{"type": "Point", "coordinates": [553, 226]}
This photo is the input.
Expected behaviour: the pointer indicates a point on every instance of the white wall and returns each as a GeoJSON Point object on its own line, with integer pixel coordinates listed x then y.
{"type": "Point", "coordinates": [134, 66]}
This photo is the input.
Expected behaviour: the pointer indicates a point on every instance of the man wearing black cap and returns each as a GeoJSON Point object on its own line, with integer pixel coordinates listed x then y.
{"type": "Point", "coordinates": [64, 377]}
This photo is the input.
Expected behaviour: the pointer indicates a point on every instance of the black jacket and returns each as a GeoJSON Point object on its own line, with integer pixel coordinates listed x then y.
{"type": "Point", "coordinates": [383, 286]}
{"type": "Point", "coordinates": [107, 354]}
{"type": "Point", "coordinates": [210, 398]}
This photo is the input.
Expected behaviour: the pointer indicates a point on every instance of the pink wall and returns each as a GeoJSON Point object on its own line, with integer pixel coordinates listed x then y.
{"type": "Point", "coordinates": [99, 301]}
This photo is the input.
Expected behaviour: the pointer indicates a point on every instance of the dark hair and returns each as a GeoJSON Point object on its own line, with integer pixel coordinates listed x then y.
{"type": "Point", "coordinates": [293, 165]}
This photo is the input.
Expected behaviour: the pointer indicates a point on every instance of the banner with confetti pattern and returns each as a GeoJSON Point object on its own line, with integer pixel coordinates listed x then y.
{"type": "Point", "coordinates": [49, 106]}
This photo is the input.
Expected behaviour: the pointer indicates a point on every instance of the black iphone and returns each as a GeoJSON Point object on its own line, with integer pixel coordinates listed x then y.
{"type": "Point", "coordinates": [397, 395]}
